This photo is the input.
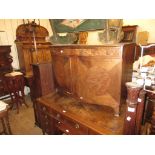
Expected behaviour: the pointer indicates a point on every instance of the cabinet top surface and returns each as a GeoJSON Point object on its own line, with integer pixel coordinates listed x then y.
{"type": "Point", "coordinates": [5, 45]}
{"type": "Point", "coordinates": [81, 45]}
{"type": "Point", "coordinates": [96, 117]}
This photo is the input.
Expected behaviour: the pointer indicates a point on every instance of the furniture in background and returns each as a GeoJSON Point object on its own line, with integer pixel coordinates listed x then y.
{"type": "Point", "coordinates": [149, 112]}
{"type": "Point", "coordinates": [146, 51]}
{"type": "Point", "coordinates": [4, 118]}
{"type": "Point", "coordinates": [89, 72]}
{"type": "Point", "coordinates": [5, 66]}
{"type": "Point", "coordinates": [32, 47]}
{"type": "Point", "coordinates": [129, 33]}
{"type": "Point", "coordinates": [14, 83]}
{"type": "Point", "coordinates": [43, 84]}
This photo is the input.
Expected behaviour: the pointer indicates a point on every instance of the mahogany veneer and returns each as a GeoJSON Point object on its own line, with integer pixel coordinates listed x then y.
{"type": "Point", "coordinates": [60, 113]}
{"type": "Point", "coordinates": [94, 74]}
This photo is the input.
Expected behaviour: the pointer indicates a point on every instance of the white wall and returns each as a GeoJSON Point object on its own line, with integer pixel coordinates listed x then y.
{"type": "Point", "coordinates": [8, 35]}
{"type": "Point", "coordinates": [9, 27]}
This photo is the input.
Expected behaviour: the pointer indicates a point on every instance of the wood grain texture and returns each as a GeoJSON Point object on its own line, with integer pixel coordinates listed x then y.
{"type": "Point", "coordinates": [94, 74]}
{"type": "Point", "coordinates": [63, 114]}
{"type": "Point", "coordinates": [30, 51]}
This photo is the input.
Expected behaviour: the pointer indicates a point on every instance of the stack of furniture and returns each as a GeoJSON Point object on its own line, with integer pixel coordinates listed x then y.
{"type": "Point", "coordinates": [5, 67]}
{"type": "Point", "coordinates": [89, 89]}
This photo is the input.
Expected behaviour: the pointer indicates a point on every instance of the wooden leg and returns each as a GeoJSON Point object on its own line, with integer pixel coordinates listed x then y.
{"type": "Point", "coordinates": [8, 125]}
{"type": "Point", "coordinates": [4, 127]}
{"type": "Point", "coordinates": [153, 122]}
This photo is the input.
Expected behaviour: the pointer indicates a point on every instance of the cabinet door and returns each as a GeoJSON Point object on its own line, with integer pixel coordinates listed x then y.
{"type": "Point", "coordinates": [99, 80]}
{"type": "Point", "coordinates": [62, 72]}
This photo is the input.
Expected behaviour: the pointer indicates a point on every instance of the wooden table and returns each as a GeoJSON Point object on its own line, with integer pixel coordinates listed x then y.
{"type": "Point", "coordinates": [60, 113]}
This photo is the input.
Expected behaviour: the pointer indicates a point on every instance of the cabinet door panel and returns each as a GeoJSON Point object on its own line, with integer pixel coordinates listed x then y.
{"type": "Point", "coordinates": [99, 80]}
{"type": "Point", "coordinates": [62, 72]}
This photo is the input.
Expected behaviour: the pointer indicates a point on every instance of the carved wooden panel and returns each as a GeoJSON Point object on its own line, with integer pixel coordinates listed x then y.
{"type": "Point", "coordinates": [27, 55]}
{"type": "Point", "coordinates": [96, 83]}
{"type": "Point", "coordinates": [27, 36]}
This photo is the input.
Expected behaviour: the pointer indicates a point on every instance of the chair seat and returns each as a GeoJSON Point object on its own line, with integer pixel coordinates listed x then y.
{"type": "Point", "coordinates": [3, 105]}
{"type": "Point", "coordinates": [15, 84]}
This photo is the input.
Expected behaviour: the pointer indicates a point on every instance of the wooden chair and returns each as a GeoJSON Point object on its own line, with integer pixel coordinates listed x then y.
{"type": "Point", "coordinates": [5, 121]}
{"type": "Point", "coordinates": [15, 84]}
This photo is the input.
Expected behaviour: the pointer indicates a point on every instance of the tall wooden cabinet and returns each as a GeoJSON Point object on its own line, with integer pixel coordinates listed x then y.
{"type": "Point", "coordinates": [94, 74]}
{"type": "Point", "coordinates": [43, 84]}
{"type": "Point", "coordinates": [5, 66]}
{"type": "Point", "coordinates": [32, 46]}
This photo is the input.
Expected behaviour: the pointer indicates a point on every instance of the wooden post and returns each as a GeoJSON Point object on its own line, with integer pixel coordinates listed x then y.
{"type": "Point", "coordinates": [134, 112]}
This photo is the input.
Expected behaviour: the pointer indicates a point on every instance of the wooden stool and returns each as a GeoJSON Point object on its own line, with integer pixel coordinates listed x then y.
{"type": "Point", "coordinates": [15, 84]}
{"type": "Point", "coordinates": [5, 119]}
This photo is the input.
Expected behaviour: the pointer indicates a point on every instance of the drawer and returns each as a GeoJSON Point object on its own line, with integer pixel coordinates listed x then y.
{"type": "Point", "coordinates": [71, 127]}
{"type": "Point", "coordinates": [92, 132]}
{"type": "Point", "coordinates": [43, 108]}
{"type": "Point", "coordinates": [47, 124]}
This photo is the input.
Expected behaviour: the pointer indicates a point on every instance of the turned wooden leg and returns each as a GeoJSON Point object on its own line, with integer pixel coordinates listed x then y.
{"type": "Point", "coordinates": [135, 104]}
{"type": "Point", "coordinates": [4, 127]}
{"type": "Point", "coordinates": [153, 123]}
{"type": "Point", "coordinates": [8, 125]}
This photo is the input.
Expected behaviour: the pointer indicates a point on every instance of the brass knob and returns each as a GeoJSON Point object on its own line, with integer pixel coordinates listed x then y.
{"type": "Point", "coordinates": [45, 116]}
{"type": "Point", "coordinates": [44, 108]}
{"type": "Point", "coordinates": [58, 115]}
{"type": "Point", "coordinates": [77, 126]}
{"type": "Point", "coordinates": [67, 130]}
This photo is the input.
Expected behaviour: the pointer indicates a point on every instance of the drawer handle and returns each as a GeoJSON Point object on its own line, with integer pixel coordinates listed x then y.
{"type": "Point", "coordinates": [58, 115]}
{"type": "Point", "coordinates": [46, 123]}
{"type": "Point", "coordinates": [67, 130]}
{"type": "Point", "coordinates": [77, 126]}
{"type": "Point", "coordinates": [44, 108]}
{"type": "Point", "coordinates": [81, 97]}
{"type": "Point", "coordinates": [61, 51]}
{"type": "Point", "coordinates": [45, 116]}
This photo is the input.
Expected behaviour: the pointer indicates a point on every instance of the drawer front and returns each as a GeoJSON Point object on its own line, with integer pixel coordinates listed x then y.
{"type": "Point", "coordinates": [105, 52]}
{"type": "Point", "coordinates": [92, 132]}
{"type": "Point", "coordinates": [43, 108]}
{"type": "Point", "coordinates": [69, 126]}
{"type": "Point", "coordinates": [47, 124]}
{"type": "Point", "coordinates": [71, 129]}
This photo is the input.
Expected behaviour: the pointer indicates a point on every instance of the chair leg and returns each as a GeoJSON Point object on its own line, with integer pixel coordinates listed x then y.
{"type": "Point", "coordinates": [4, 127]}
{"type": "Point", "coordinates": [8, 125]}
{"type": "Point", "coordinates": [25, 103]}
